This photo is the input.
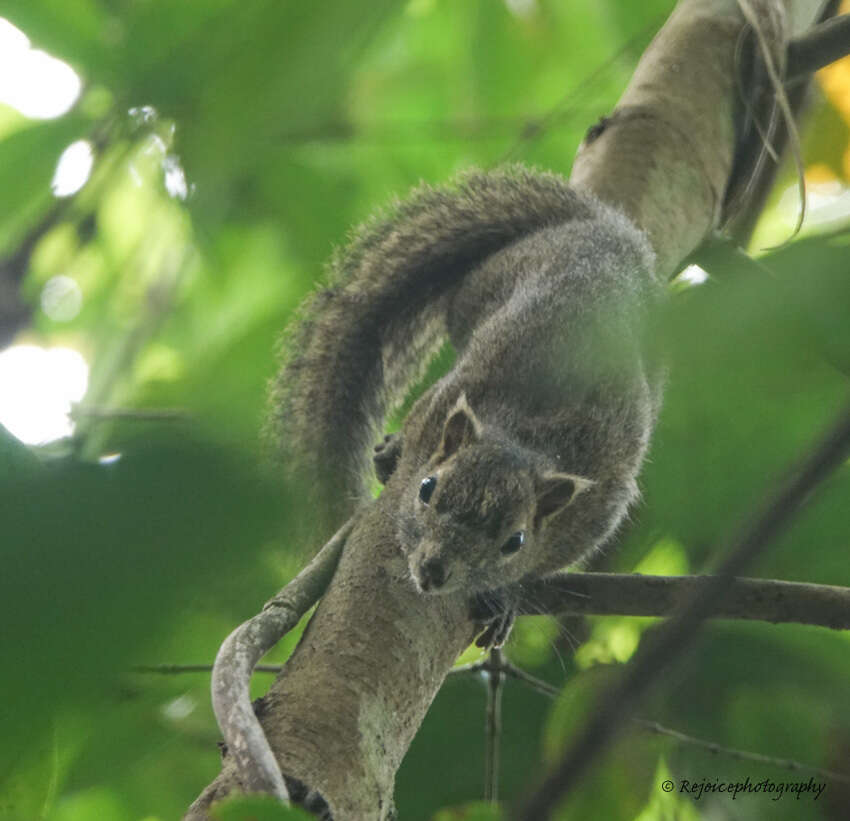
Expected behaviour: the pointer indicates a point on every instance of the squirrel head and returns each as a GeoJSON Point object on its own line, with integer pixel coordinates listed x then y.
{"type": "Point", "coordinates": [477, 517]}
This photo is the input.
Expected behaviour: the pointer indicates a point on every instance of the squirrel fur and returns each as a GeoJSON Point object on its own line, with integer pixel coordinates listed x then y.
{"type": "Point", "coordinates": [523, 458]}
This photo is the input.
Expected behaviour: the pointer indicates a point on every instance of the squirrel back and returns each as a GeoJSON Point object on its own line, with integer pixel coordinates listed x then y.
{"type": "Point", "coordinates": [361, 340]}
{"type": "Point", "coordinates": [524, 457]}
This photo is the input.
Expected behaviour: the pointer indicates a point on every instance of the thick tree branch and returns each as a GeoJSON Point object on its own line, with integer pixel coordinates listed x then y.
{"type": "Point", "coordinates": [650, 157]}
{"type": "Point", "coordinates": [344, 709]}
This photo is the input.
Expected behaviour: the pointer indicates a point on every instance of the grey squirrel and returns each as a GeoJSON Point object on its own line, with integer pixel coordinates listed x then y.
{"type": "Point", "coordinates": [523, 458]}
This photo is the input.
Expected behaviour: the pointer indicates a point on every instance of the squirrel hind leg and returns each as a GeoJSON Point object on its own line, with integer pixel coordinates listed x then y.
{"type": "Point", "coordinates": [386, 456]}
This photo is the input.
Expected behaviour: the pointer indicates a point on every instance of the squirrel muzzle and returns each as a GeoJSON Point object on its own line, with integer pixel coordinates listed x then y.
{"type": "Point", "coordinates": [429, 569]}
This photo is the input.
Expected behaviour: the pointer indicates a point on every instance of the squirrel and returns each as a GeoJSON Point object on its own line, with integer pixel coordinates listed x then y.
{"type": "Point", "coordinates": [523, 458]}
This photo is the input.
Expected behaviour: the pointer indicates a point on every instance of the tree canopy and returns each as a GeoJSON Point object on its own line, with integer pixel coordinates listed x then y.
{"type": "Point", "coordinates": [233, 147]}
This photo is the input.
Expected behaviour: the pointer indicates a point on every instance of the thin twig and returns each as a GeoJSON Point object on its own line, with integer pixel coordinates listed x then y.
{"type": "Point", "coordinates": [673, 638]}
{"type": "Point", "coordinates": [493, 734]}
{"type": "Point", "coordinates": [566, 105]}
{"type": "Point", "coordinates": [821, 45]}
{"type": "Point", "coordinates": [713, 747]}
{"type": "Point", "coordinates": [530, 681]}
{"type": "Point", "coordinates": [140, 415]}
{"type": "Point", "coordinates": [509, 670]}
{"type": "Point", "coordinates": [741, 755]}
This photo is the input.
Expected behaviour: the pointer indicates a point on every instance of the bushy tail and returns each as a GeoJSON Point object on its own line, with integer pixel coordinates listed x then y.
{"type": "Point", "coordinates": [360, 341]}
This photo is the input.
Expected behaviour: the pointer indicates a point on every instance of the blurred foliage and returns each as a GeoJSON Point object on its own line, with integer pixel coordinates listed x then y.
{"type": "Point", "coordinates": [257, 808]}
{"type": "Point", "coordinates": [290, 123]}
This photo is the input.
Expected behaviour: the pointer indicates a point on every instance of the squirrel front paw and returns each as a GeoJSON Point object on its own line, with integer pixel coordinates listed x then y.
{"type": "Point", "coordinates": [495, 613]}
{"type": "Point", "coordinates": [387, 454]}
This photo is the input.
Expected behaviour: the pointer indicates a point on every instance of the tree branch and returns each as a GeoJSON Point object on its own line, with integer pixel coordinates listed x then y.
{"type": "Point", "coordinates": [671, 640]}
{"type": "Point", "coordinates": [629, 594]}
{"type": "Point", "coordinates": [505, 668]}
{"type": "Point", "coordinates": [344, 709]}
{"type": "Point", "coordinates": [635, 595]}
{"type": "Point", "coordinates": [741, 755]}
{"type": "Point", "coordinates": [818, 47]}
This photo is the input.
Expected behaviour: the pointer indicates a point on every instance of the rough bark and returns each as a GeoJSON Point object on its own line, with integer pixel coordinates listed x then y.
{"type": "Point", "coordinates": [341, 715]}
{"type": "Point", "coordinates": [344, 710]}
{"type": "Point", "coordinates": [665, 154]}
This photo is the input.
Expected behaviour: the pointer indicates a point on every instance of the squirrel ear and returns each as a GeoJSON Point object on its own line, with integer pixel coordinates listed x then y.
{"type": "Point", "coordinates": [462, 428]}
{"type": "Point", "coordinates": [555, 491]}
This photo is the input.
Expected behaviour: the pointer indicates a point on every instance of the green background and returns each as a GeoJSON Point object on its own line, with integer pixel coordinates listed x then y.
{"type": "Point", "coordinates": [293, 122]}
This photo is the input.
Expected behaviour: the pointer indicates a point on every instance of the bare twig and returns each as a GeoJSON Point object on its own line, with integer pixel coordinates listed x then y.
{"type": "Point", "coordinates": [140, 415]}
{"type": "Point", "coordinates": [821, 45]}
{"type": "Point", "coordinates": [505, 667]}
{"type": "Point", "coordinates": [565, 107]}
{"type": "Point", "coordinates": [741, 755]}
{"type": "Point", "coordinates": [673, 638]}
{"type": "Point", "coordinates": [501, 665]}
{"type": "Point", "coordinates": [495, 679]}
{"type": "Point", "coordinates": [244, 647]}
{"type": "Point", "coordinates": [509, 670]}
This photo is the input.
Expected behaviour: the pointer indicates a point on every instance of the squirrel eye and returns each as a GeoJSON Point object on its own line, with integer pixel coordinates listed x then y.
{"type": "Point", "coordinates": [514, 543]}
{"type": "Point", "coordinates": [426, 488]}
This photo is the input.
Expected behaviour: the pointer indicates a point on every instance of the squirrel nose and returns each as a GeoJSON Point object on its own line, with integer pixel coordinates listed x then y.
{"type": "Point", "coordinates": [432, 573]}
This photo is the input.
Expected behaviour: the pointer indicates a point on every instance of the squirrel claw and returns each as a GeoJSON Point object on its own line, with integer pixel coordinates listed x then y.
{"type": "Point", "coordinates": [387, 454]}
{"type": "Point", "coordinates": [496, 615]}
{"type": "Point", "coordinates": [495, 635]}
{"type": "Point", "coordinates": [384, 442]}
